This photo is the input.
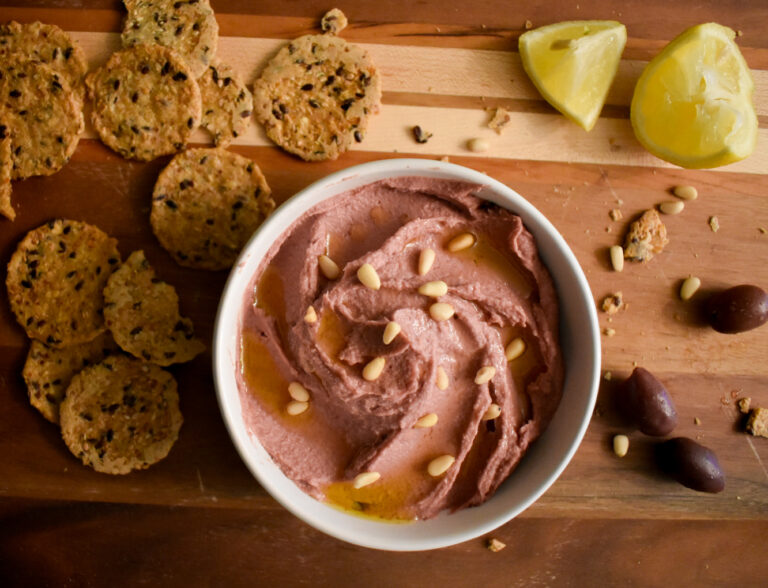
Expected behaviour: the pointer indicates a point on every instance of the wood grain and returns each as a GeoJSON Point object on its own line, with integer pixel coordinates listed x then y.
{"type": "Point", "coordinates": [199, 518]}
{"type": "Point", "coordinates": [199, 547]}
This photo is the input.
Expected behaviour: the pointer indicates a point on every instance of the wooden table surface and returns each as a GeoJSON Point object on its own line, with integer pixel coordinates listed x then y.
{"type": "Point", "coordinates": [199, 518]}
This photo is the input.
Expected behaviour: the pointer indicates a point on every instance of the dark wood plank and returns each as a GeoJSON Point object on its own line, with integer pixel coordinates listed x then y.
{"type": "Point", "coordinates": [100, 545]}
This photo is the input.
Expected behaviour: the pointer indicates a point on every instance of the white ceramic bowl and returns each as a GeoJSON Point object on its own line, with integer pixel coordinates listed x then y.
{"type": "Point", "coordinates": [546, 458]}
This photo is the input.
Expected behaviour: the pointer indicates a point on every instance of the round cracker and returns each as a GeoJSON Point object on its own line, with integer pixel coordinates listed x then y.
{"type": "Point", "coordinates": [55, 281]}
{"type": "Point", "coordinates": [189, 28]}
{"type": "Point", "coordinates": [206, 205]}
{"type": "Point", "coordinates": [146, 102]}
{"type": "Point", "coordinates": [6, 165]}
{"type": "Point", "coordinates": [227, 104]}
{"type": "Point", "coordinates": [315, 96]}
{"type": "Point", "coordinates": [48, 371]}
{"type": "Point", "coordinates": [48, 44]}
{"type": "Point", "coordinates": [142, 312]}
{"type": "Point", "coordinates": [121, 415]}
{"type": "Point", "coordinates": [43, 114]}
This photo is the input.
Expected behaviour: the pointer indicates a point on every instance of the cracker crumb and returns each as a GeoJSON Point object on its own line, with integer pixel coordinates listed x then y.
{"type": "Point", "coordinates": [714, 224]}
{"type": "Point", "coordinates": [696, 421]}
{"type": "Point", "coordinates": [646, 237]}
{"type": "Point", "coordinates": [613, 303]}
{"type": "Point", "coordinates": [494, 545]}
{"type": "Point", "coordinates": [609, 332]}
{"type": "Point", "coordinates": [528, 25]}
{"type": "Point", "coordinates": [615, 214]}
{"type": "Point", "coordinates": [762, 230]}
{"type": "Point", "coordinates": [501, 118]}
{"type": "Point", "coordinates": [757, 424]}
{"type": "Point", "coordinates": [607, 376]}
{"type": "Point", "coordinates": [743, 405]}
{"type": "Point", "coordinates": [333, 22]}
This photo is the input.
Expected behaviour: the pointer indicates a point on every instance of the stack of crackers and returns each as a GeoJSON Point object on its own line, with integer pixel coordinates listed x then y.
{"type": "Point", "coordinates": [100, 331]}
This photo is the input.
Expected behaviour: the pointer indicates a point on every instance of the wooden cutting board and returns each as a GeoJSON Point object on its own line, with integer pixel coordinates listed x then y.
{"type": "Point", "coordinates": [444, 65]}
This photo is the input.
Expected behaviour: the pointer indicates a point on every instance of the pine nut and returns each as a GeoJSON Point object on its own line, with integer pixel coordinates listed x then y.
{"type": "Point", "coordinates": [441, 311]}
{"type": "Point", "coordinates": [478, 145]}
{"type": "Point", "coordinates": [686, 192]}
{"type": "Point", "coordinates": [434, 289]}
{"type": "Point", "coordinates": [460, 242]}
{"type": "Point", "coordinates": [295, 407]}
{"type": "Point", "coordinates": [298, 392]}
{"type": "Point", "coordinates": [365, 479]}
{"type": "Point", "coordinates": [328, 267]}
{"type": "Point", "coordinates": [391, 331]}
{"type": "Point", "coordinates": [442, 378]}
{"type": "Point", "coordinates": [368, 276]}
{"type": "Point", "coordinates": [310, 316]}
{"type": "Point", "coordinates": [439, 465]}
{"type": "Point", "coordinates": [620, 445]}
{"type": "Point", "coordinates": [494, 410]}
{"type": "Point", "coordinates": [617, 257]}
{"type": "Point", "coordinates": [485, 374]}
{"type": "Point", "coordinates": [373, 369]}
{"type": "Point", "coordinates": [428, 420]}
{"type": "Point", "coordinates": [672, 207]}
{"type": "Point", "coordinates": [426, 259]}
{"type": "Point", "coordinates": [689, 287]}
{"type": "Point", "coordinates": [515, 348]}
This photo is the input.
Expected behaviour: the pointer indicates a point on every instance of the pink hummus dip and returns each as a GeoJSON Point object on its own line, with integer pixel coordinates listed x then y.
{"type": "Point", "coordinates": [499, 291]}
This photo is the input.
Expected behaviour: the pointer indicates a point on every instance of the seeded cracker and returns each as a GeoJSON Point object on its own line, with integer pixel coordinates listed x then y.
{"type": "Point", "coordinates": [6, 209]}
{"type": "Point", "coordinates": [206, 205]}
{"type": "Point", "coordinates": [43, 115]}
{"type": "Point", "coordinates": [188, 27]}
{"type": "Point", "coordinates": [227, 103]}
{"type": "Point", "coordinates": [145, 102]}
{"type": "Point", "coordinates": [47, 44]}
{"type": "Point", "coordinates": [55, 281]}
{"type": "Point", "coordinates": [333, 22]}
{"type": "Point", "coordinates": [142, 312]}
{"type": "Point", "coordinates": [48, 371]}
{"type": "Point", "coordinates": [646, 237]}
{"type": "Point", "coordinates": [121, 415]}
{"type": "Point", "coordinates": [315, 96]}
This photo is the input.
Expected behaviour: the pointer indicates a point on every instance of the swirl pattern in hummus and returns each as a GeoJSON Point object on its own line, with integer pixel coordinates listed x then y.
{"type": "Point", "coordinates": [499, 290]}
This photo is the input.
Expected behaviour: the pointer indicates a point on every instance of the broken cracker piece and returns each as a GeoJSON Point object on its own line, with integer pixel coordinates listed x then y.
{"type": "Point", "coordinates": [613, 303]}
{"type": "Point", "coordinates": [501, 118]}
{"type": "Point", "coordinates": [646, 237]}
{"type": "Point", "coordinates": [494, 545]}
{"type": "Point", "coordinates": [757, 424]}
{"type": "Point", "coordinates": [743, 405]}
{"type": "Point", "coordinates": [333, 22]}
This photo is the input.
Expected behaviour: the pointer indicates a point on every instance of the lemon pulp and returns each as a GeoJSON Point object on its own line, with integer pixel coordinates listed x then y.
{"type": "Point", "coordinates": [573, 64]}
{"type": "Point", "coordinates": [692, 105]}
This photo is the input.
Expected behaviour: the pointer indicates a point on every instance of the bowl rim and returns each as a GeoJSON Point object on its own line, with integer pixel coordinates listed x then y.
{"type": "Point", "coordinates": [231, 302]}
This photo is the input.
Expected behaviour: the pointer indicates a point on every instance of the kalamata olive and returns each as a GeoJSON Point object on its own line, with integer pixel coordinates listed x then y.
{"type": "Point", "coordinates": [691, 464]}
{"type": "Point", "coordinates": [738, 309]}
{"type": "Point", "coordinates": [645, 401]}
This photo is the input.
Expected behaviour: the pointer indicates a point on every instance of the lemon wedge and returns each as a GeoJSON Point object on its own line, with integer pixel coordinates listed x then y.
{"type": "Point", "coordinates": [692, 105]}
{"type": "Point", "coordinates": [573, 64]}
